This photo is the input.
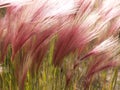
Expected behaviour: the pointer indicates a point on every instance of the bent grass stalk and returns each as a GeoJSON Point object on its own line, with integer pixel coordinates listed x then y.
{"type": "Point", "coordinates": [114, 79]}
{"type": "Point", "coordinates": [50, 35]}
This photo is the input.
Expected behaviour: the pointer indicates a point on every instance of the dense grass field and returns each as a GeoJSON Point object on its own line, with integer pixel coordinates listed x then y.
{"type": "Point", "coordinates": [60, 45]}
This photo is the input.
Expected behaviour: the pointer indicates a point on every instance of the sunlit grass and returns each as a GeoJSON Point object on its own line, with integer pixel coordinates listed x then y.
{"type": "Point", "coordinates": [44, 46]}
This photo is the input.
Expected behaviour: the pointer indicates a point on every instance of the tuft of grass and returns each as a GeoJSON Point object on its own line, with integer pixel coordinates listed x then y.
{"type": "Point", "coordinates": [59, 45]}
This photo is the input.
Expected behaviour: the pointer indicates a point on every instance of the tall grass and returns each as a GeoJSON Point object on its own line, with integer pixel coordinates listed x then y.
{"type": "Point", "coordinates": [59, 44]}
